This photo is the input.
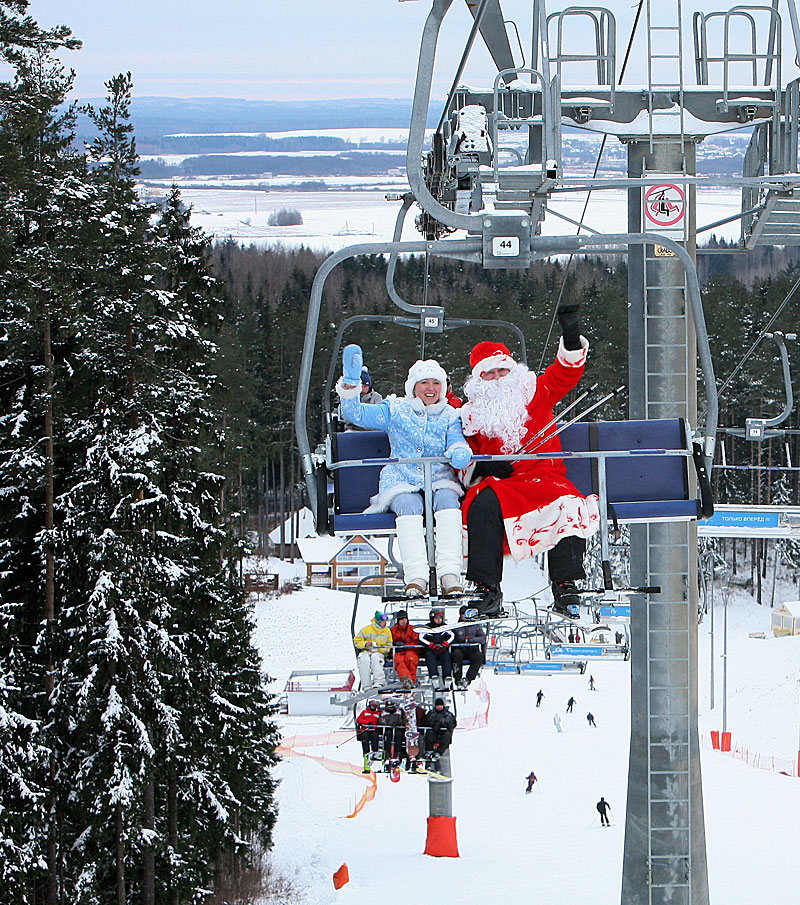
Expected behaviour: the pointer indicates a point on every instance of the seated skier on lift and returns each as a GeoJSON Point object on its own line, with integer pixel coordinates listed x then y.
{"type": "Point", "coordinates": [439, 724]}
{"type": "Point", "coordinates": [436, 641]}
{"type": "Point", "coordinates": [421, 423]}
{"type": "Point", "coordinates": [529, 507]}
{"type": "Point", "coordinates": [367, 731]}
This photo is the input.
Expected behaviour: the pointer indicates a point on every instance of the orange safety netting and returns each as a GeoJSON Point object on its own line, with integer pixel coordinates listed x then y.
{"type": "Point", "coordinates": [757, 760]}
{"type": "Point", "coordinates": [336, 766]}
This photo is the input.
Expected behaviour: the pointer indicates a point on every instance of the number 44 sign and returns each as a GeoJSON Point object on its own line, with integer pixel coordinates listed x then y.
{"type": "Point", "coordinates": [505, 246]}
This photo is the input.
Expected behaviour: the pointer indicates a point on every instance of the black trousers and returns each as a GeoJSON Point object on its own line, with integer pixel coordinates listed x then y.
{"type": "Point", "coordinates": [473, 653]}
{"type": "Point", "coordinates": [485, 530]}
{"type": "Point", "coordinates": [434, 659]}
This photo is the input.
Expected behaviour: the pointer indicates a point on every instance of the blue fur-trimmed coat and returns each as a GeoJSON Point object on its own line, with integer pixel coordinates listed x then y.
{"type": "Point", "coordinates": [414, 429]}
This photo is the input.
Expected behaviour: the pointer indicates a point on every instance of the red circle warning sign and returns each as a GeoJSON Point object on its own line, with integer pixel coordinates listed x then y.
{"type": "Point", "coordinates": [664, 205]}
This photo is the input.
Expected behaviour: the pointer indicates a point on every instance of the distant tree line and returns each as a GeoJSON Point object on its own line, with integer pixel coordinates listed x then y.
{"type": "Point", "coordinates": [345, 164]}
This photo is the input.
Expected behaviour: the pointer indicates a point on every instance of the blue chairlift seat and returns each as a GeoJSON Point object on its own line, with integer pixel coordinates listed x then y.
{"type": "Point", "coordinates": [640, 487]}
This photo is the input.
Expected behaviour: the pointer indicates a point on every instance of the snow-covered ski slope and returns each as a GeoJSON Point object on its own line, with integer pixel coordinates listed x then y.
{"type": "Point", "coordinates": [546, 847]}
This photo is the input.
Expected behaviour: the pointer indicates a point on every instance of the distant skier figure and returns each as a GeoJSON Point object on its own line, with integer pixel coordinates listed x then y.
{"type": "Point", "coordinates": [603, 807]}
{"type": "Point", "coordinates": [618, 637]}
{"type": "Point", "coordinates": [591, 684]}
{"type": "Point", "coordinates": [570, 704]}
{"type": "Point", "coordinates": [367, 731]}
{"type": "Point", "coordinates": [590, 720]}
{"type": "Point", "coordinates": [557, 721]}
{"type": "Point", "coordinates": [531, 777]}
{"type": "Point", "coordinates": [571, 637]}
{"type": "Point", "coordinates": [539, 696]}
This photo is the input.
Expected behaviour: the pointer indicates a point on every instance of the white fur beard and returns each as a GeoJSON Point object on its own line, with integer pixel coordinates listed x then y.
{"type": "Point", "coordinates": [499, 407]}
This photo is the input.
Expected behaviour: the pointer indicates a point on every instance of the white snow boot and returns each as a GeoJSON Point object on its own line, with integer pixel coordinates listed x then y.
{"type": "Point", "coordinates": [449, 550]}
{"type": "Point", "coordinates": [413, 553]}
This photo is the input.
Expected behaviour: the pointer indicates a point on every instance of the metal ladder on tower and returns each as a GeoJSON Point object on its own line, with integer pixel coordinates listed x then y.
{"type": "Point", "coordinates": [664, 45]}
{"type": "Point", "coordinates": [668, 347]}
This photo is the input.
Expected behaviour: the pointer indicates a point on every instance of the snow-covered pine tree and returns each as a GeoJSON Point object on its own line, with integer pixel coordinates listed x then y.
{"type": "Point", "coordinates": [156, 636]}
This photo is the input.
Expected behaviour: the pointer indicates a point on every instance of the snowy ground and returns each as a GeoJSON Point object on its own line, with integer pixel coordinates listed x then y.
{"type": "Point", "coordinates": [545, 847]}
{"type": "Point", "coordinates": [354, 210]}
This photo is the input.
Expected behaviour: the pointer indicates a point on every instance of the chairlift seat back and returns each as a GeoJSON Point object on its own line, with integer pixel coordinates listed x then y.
{"type": "Point", "coordinates": [640, 487]}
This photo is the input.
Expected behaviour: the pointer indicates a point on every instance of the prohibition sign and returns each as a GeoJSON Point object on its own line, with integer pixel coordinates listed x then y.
{"type": "Point", "coordinates": [664, 205]}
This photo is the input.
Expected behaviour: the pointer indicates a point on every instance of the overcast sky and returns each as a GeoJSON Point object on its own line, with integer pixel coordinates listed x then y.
{"type": "Point", "coordinates": [288, 49]}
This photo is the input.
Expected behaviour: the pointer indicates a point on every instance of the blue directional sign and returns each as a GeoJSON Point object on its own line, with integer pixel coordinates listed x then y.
{"type": "Point", "coordinates": [618, 609]}
{"type": "Point", "coordinates": [741, 518]}
{"type": "Point", "coordinates": [584, 650]}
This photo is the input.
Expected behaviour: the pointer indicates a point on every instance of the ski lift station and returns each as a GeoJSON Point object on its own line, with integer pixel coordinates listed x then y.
{"type": "Point", "coordinates": [482, 186]}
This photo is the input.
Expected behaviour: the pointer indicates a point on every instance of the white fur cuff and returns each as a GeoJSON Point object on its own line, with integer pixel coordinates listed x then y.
{"type": "Point", "coordinates": [347, 392]}
{"type": "Point", "coordinates": [573, 358]}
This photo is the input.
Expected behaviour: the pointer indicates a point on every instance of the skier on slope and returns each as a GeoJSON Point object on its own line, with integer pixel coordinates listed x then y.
{"type": "Point", "coordinates": [528, 507]}
{"type": "Point", "coordinates": [570, 704]}
{"type": "Point", "coordinates": [439, 724]}
{"type": "Point", "coordinates": [531, 777]}
{"type": "Point", "coordinates": [590, 719]}
{"type": "Point", "coordinates": [557, 722]}
{"type": "Point", "coordinates": [539, 696]}
{"type": "Point", "coordinates": [367, 731]}
{"type": "Point", "coordinates": [603, 807]}
{"type": "Point", "coordinates": [591, 684]}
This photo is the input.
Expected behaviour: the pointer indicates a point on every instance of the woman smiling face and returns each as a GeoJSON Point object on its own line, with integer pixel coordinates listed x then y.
{"type": "Point", "coordinates": [428, 390]}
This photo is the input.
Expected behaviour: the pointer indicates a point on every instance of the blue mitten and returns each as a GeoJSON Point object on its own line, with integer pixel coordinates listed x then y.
{"type": "Point", "coordinates": [459, 456]}
{"type": "Point", "coordinates": [352, 363]}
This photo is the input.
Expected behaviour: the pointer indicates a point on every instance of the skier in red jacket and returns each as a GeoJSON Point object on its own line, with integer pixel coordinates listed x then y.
{"type": "Point", "coordinates": [368, 731]}
{"type": "Point", "coordinates": [406, 649]}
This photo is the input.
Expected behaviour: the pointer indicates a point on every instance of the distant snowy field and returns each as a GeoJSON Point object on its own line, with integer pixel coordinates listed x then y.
{"type": "Point", "coordinates": [545, 847]}
{"type": "Point", "coordinates": [355, 210]}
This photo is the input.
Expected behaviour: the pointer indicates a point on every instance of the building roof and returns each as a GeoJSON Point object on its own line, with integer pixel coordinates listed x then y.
{"type": "Point", "coordinates": [306, 528]}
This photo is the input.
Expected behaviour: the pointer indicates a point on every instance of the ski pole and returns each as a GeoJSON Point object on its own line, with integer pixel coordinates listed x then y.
{"type": "Point", "coordinates": [571, 406]}
{"type": "Point", "coordinates": [578, 417]}
{"type": "Point", "coordinates": [350, 739]}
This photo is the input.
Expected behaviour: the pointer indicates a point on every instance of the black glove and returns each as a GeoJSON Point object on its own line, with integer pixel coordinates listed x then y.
{"type": "Point", "coordinates": [493, 470]}
{"type": "Point", "coordinates": [569, 316]}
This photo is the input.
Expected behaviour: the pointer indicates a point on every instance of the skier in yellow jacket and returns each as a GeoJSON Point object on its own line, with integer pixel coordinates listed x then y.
{"type": "Point", "coordinates": [374, 645]}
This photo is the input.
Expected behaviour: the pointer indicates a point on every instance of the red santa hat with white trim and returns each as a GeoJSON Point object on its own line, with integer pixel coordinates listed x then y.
{"type": "Point", "coordinates": [487, 356]}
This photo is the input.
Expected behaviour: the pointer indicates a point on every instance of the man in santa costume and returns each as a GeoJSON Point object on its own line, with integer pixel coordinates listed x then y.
{"type": "Point", "coordinates": [528, 507]}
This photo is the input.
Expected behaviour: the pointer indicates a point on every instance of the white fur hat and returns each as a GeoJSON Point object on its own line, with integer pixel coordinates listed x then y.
{"type": "Point", "coordinates": [421, 370]}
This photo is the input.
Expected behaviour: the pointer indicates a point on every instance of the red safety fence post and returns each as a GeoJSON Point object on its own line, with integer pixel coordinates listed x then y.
{"type": "Point", "coordinates": [341, 877]}
{"type": "Point", "coordinates": [715, 739]}
{"type": "Point", "coordinates": [726, 741]}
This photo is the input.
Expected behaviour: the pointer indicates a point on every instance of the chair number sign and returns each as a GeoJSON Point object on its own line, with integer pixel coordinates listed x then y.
{"type": "Point", "coordinates": [505, 246]}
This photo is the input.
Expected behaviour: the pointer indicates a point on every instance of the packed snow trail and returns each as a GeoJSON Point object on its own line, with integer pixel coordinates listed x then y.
{"type": "Point", "coordinates": [548, 846]}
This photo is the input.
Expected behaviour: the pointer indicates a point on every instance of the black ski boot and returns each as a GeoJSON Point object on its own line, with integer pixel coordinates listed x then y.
{"type": "Point", "coordinates": [490, 602]}
{"type": "Point", "coordinates": [566, 599]}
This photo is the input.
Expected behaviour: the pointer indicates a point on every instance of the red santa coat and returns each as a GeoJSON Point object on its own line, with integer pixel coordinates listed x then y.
{"type": "Point", "coordinates": [539, 504]}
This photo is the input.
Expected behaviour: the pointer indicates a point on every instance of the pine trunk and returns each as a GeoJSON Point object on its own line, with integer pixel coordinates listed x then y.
{"type": "Point", "coordinates": [119, 854]}
{"type": "Point", "coordinates": [172, 822]}
{"type": "Point", "coordinates": [49, 607]}
{"type": "Point", "coordinates": [148, 856]}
